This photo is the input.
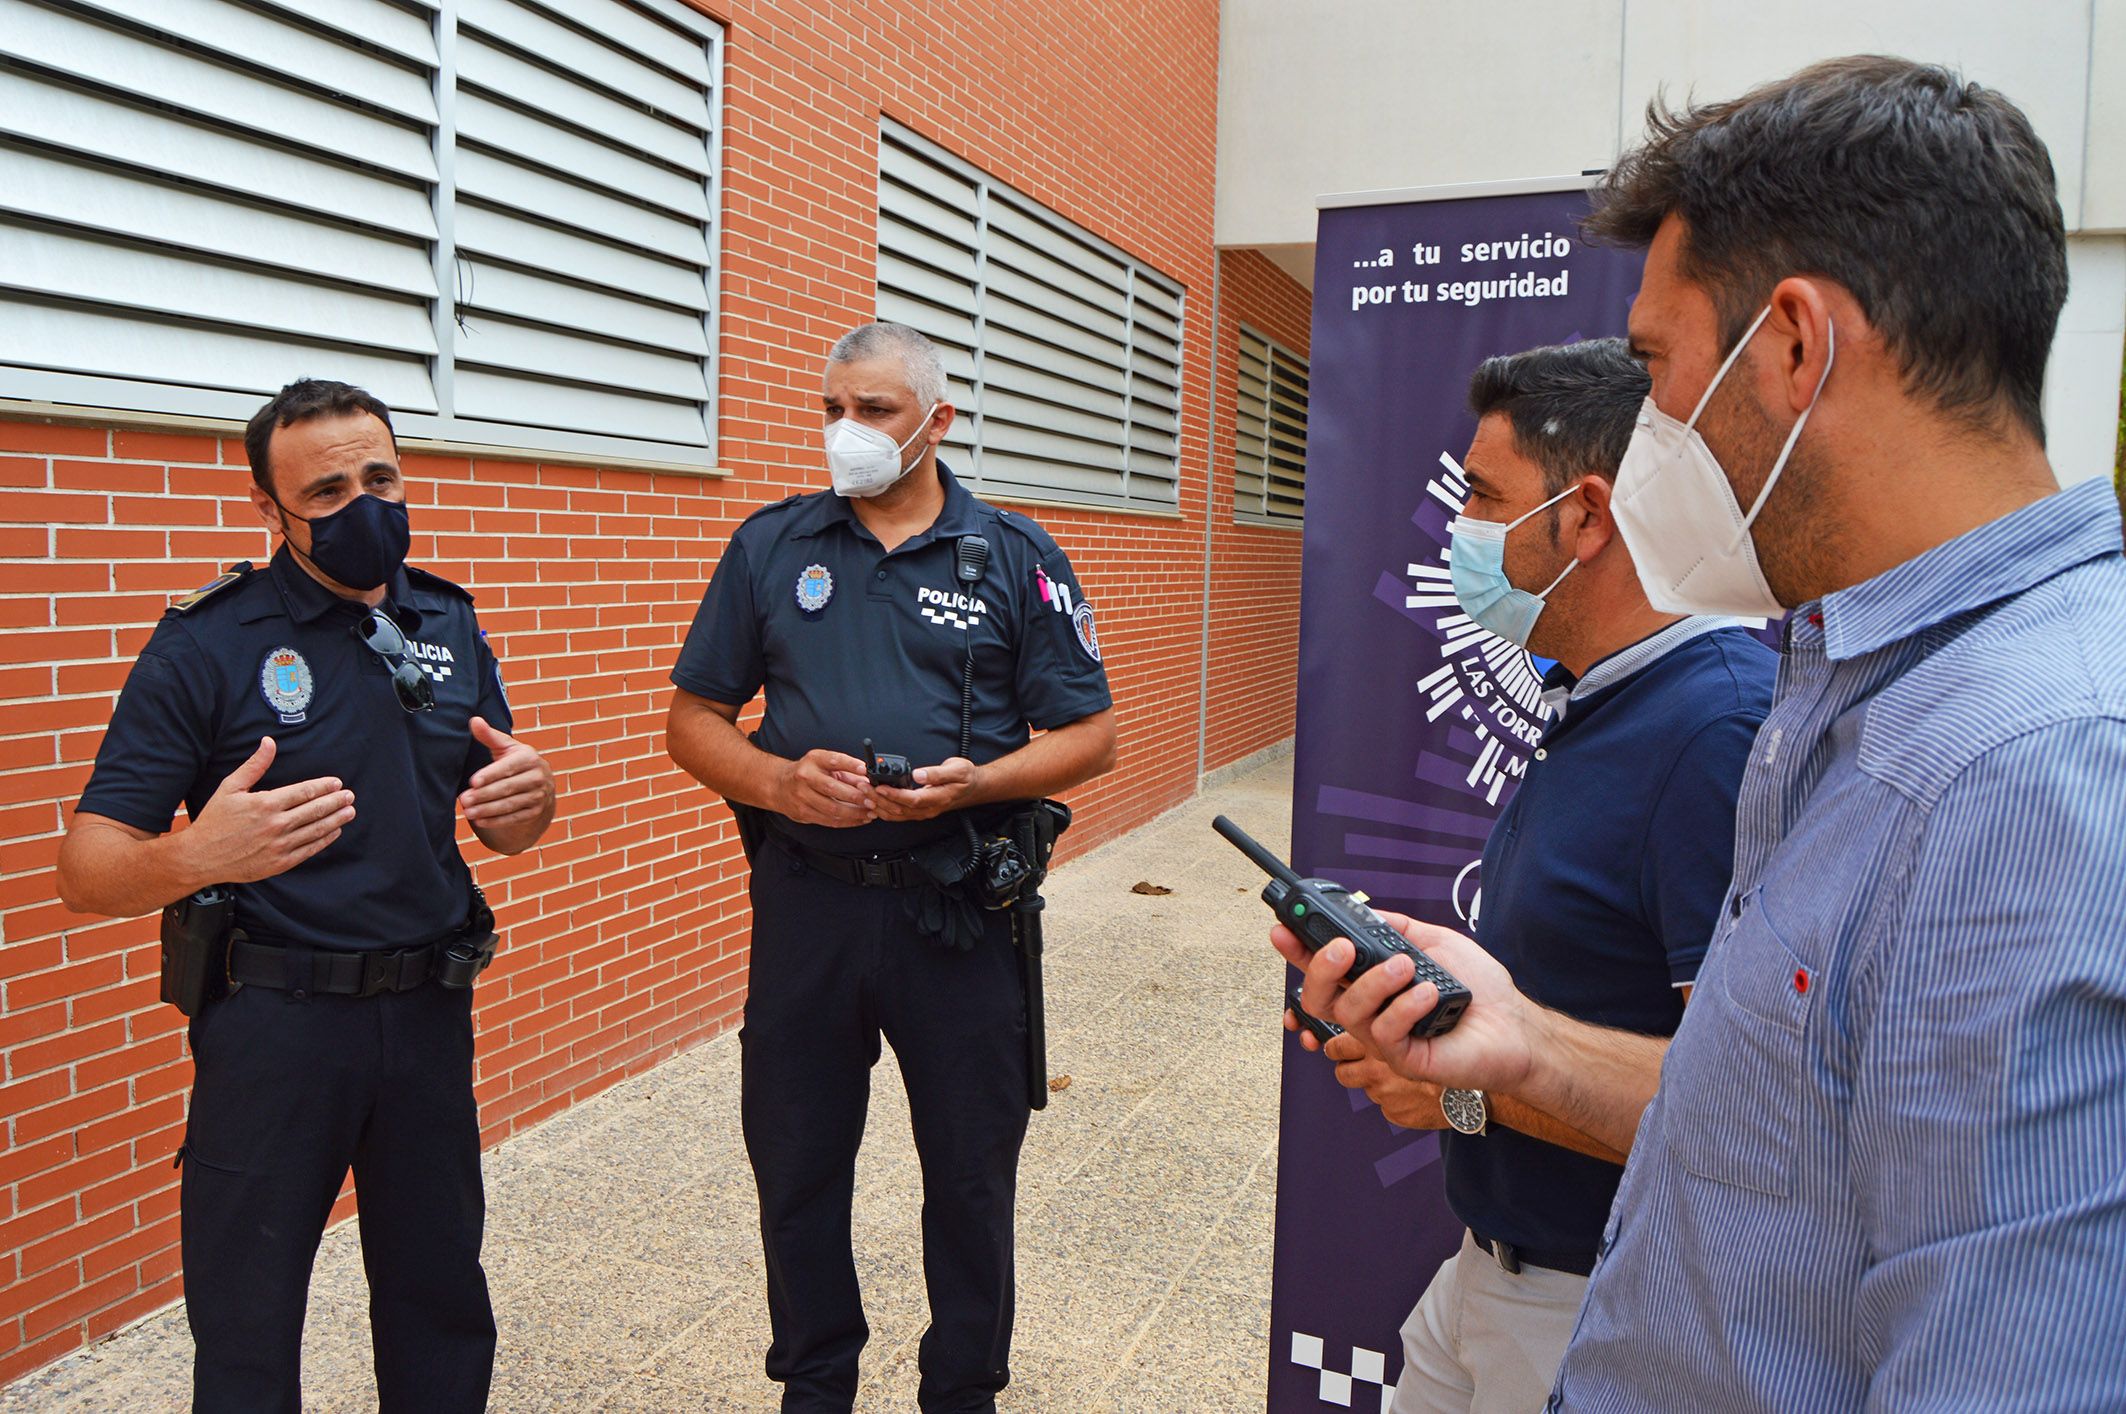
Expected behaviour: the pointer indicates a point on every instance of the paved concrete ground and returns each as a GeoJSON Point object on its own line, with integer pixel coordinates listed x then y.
{"type": "Point", "coordinates": [622, 1247]}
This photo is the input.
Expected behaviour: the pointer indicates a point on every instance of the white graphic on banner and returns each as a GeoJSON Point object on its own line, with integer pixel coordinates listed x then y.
{"type": "Point", "coordinates": [1367, 1380]}
{"type": "Point", "coordinates": [1490, 682]}
{"type": "Point", "coordinates": [1468, 894]}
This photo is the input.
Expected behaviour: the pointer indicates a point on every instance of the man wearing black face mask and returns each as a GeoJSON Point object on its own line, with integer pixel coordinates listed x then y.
{"type": "Point", "coordinates": [322, 721]}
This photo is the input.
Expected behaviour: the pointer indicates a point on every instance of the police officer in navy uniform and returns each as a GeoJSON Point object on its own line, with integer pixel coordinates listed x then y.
{"type": "Point", "coordinates": [323, 721]}
{"type": "Point", "coordinates": [854, 608]}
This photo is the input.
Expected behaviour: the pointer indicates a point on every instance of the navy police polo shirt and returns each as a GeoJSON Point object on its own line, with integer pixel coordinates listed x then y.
{"type": "Point", "coordinates": [275, 655]}
{"type": "Point", "coordinates": [1602, 882]}
{"type": "Point", "coordinates": [853, 641]}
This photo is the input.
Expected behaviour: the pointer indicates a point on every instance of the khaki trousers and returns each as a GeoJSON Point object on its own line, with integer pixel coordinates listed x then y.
{"type": "Point", "coordinates": [1483, 1339]}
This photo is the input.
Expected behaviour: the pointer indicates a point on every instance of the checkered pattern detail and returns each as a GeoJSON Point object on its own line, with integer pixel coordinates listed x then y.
{"type": "Point", "coordinates": [438, 671]}
{"type": "Point", "coordinates": [949, 618]}
{"type": "Point", "coordinates": [1368, 1368]}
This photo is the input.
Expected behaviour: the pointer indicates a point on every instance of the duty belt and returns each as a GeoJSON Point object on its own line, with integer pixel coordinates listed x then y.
{"type": "Point", "coordinates": [868, 871]}
{"type": "Point", "coordinates": [257, 963]}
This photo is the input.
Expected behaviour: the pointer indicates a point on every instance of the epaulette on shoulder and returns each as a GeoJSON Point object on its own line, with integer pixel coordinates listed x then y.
{"type": "Point", "coordinates": [775, 507]}
{"type": "Point", "coordinates": [1044, 544]}
{"type": "Point", "coordinates": [234, 574]}
{"type": "Point", "coordinates": [760, 517]}
{"type": "Point", "coordinates": [427, 579]}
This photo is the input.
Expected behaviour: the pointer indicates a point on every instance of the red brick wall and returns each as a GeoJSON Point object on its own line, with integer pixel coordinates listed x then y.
{"type": "Point", "coordinates": [625, 931]}
{"type": "Point", "coordinates": [1254, 595]}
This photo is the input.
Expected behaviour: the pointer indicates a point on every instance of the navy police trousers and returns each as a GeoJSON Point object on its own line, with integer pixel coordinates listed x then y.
{"type": "Point", "coordinates": [834, 967]}
{"type": "Point", "coordinates": [288, 1095]}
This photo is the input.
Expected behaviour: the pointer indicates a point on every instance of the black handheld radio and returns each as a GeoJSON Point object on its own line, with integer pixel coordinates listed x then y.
{"type": "Point", "coordinates": [888, 770]}
{"type": "Point", "coordinates": [1320, 911]}
{"type": "Point", "coordinates": [1324, 1031]}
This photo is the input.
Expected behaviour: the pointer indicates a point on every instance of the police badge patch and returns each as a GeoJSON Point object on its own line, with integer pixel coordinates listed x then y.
{"type": "Point", "coordinates": [284, 680]}
{"type": "Point", "coordinates": [1081, 620]}
{"type": "Point", "coordinates": [815, 586]}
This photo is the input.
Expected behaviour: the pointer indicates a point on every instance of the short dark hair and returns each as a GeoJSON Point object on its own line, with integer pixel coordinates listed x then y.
{"type": "Point", "coordinates": [301, 401]}
{"type": "Point", "coordinates": [1571, 406]}
{"type": "Point", "coordinates": [1930, 199]}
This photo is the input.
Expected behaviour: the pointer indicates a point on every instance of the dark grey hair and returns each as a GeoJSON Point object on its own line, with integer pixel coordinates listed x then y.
{"type": "Point", "coordinates": [1929, 199]}
{"type": "Point", "coordinates": [918, 356]}
{"type": "Point", "coordinates": [1571, 406]}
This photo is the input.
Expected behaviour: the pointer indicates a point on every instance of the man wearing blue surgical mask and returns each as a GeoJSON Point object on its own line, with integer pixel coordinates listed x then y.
{"type": "Point", "coordinates": [1881, 1168]}
{"type": "Point", "coordinates": [1602, 878]}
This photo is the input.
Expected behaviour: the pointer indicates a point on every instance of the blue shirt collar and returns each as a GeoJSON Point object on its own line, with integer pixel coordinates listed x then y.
{"type": "Point", "coordinates": [1980, 567]}
{"type": "Point", "coordinates": [1561, 689]}
{"type": "Point", "coordinates": [955, 519]}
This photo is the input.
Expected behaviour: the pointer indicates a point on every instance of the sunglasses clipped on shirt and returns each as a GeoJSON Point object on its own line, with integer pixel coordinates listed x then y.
{"type": "Point", "coordinates": [382, 637]}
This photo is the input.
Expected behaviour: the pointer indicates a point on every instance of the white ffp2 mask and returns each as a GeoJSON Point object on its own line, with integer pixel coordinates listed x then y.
{"type": "Point", "coordinates": [1689, 537]}
{"type": "Point", "coordinates": [863, 460]}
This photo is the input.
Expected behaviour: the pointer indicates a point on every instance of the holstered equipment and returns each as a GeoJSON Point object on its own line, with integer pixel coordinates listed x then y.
{"type": "Point", "coordinates": [195, 947]}
{"type": "Point", "coordinates": [459, 960]}
{"type": "Point", "coordinates": [751, 828]}
{"type": "Point", "coordinates": [1035, 828]}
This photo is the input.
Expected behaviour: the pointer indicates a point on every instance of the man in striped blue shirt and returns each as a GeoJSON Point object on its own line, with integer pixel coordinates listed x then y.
{"type": "Point", "coordinates": [1886, 1165]}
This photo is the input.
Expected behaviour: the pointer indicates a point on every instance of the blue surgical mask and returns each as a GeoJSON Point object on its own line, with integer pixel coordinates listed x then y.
{"type": "Point", "coordinates": [1477, 564]}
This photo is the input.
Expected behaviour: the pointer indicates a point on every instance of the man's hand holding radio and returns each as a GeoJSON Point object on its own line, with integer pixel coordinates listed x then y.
{"type": "Point", "coordinates": [1492, 1048]}
{"type": "Point", "coordinates": [950, 785]}
{"type": "Point", "coordinates": [1592, 1079]}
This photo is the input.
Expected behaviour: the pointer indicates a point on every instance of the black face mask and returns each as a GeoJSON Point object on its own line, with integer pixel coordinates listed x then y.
{"type": "Point", "coordinates": [362, 544]}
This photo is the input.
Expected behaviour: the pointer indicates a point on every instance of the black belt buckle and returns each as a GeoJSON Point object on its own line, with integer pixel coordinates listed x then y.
{"type": "Point", "coordinates": [874, 873]}
{"type": "Point", "coordinates": [380, 972]}
{"type": "Point", "coordinates": [1506, 1255]}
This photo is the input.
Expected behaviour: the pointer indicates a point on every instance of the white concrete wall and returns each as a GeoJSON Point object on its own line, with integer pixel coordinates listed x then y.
{"type": "Point", "coordinates": [1322, 96]}
{"type": "Point", "coordinates": [2082, 381]}
{"type": "Point", "coordinates": [1319, 96]}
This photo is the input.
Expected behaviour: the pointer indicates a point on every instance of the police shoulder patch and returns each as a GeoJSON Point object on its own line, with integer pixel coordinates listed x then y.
{"type": "Point", "coordinates": [234, 574]}
{"type": "Point", "coordinates": [1081, 621]}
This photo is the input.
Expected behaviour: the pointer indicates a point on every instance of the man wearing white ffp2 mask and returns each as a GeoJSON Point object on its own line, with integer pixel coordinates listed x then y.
{"type": "Point", "coordinates": [865, 461]}
{"type": "Point", "coordinates": [1878, 1166]}
{"type": "Point", "coordinates": [900, 616]}
{"type": "Point", "coordinates": [1690, 537]}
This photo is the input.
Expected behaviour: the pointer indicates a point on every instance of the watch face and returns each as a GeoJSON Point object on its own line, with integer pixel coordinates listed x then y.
{"type": "Point", "coordinates": [1465, 1110]}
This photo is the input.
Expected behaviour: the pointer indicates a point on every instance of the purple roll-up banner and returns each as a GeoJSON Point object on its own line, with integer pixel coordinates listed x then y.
{"type": "Point", "coordinates": [1414, 724]}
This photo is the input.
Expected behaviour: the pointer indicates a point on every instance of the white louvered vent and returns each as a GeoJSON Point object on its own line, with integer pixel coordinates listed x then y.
{"type": "Point", "coordinates": [1071, 349]}
{"type": "Point", "coordinates": [1269, 433]}
{"type": "Point", "coordinates": [496, 215]}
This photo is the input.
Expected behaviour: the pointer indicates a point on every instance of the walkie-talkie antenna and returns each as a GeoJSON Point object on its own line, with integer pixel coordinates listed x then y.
{"type": "Point", "coordinates": [1269, 863]}
{"type": "Point", "coordinates": [870, 757]}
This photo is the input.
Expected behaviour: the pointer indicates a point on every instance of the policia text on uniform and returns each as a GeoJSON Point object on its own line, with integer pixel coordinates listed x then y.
{"type": "Point", "coordinates": [323, 720]}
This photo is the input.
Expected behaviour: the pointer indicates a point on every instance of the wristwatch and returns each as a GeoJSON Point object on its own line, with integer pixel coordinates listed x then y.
{"type": "Point", "coordinates": [1467, 1110]}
